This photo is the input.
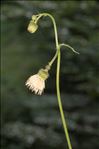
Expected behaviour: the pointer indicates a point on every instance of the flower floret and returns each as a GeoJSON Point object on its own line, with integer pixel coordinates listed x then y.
{"type": "Point", "coordinates": [36, 84]}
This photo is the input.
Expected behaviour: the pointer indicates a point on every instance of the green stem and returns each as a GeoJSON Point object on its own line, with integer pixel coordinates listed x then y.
{"type": "Point", "coordinates": [56, 34]}
{"type": "Point", "coordinates": [58, 54]}
{"type": "Point", "coordinates": [57, 80]}
{"type": "Point", "coordinates": [53, 59]}
{"type": "Point", "coordinates": [55, 28]}
{"type": "Point", "coordinates": [68, 46]}
{"type": "Point", "coordinates": [60, 102]}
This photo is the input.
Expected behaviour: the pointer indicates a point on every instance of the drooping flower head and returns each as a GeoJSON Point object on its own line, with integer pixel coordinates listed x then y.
{"type": "Point", "coordinates": [33, 26]}
{"type": "Point", "coordinates": [36, 83]}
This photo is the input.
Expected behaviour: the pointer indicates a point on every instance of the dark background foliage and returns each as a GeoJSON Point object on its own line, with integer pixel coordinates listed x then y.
{"type": "Point", "coordinates": [33, 122]}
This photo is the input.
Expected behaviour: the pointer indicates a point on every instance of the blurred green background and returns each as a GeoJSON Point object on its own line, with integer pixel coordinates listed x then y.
{"type": "Point", "coordinates": [33, 122]}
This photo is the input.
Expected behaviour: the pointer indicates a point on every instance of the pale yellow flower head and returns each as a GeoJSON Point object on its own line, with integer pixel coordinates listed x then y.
{"type": "Point", "coordinates": [36, 83]}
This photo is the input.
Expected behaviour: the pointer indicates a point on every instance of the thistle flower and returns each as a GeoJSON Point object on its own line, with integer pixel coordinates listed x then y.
{"type": "Point", "coordinates": [36, 83]}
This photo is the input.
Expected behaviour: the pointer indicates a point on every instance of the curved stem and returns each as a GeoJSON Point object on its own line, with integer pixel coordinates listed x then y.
{"type": "Point", "coordinates": [58, 56]}
{"type": "Point", "coordinates": [59, 100]}
{"type": "Point", "coordinates": [55, 31]}
{"type": "Point", "coordinates": [68, 46]}
{"type": "Point", "coordinates": [53, 59]}
{"type": "Point", "coordinates": [55, 28]}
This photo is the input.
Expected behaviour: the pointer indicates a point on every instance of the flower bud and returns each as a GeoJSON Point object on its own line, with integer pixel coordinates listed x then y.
{"type": "Point", "coordinates": [32, 27]}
